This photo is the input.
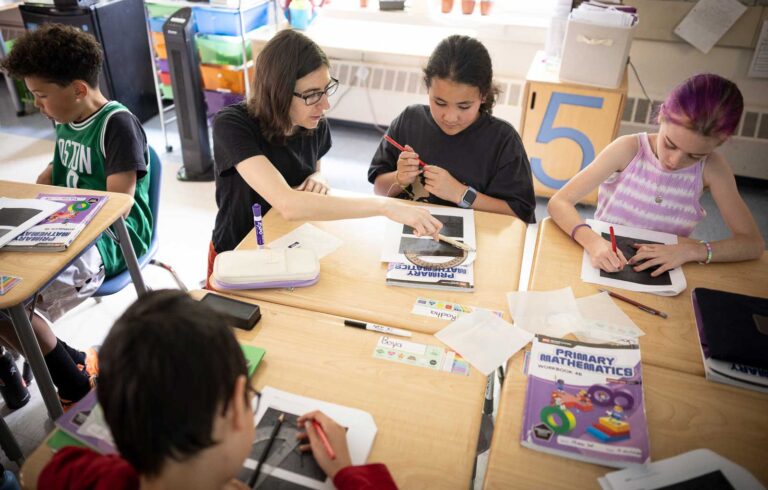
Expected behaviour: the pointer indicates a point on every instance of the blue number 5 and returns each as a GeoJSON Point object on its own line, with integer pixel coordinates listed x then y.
{"type": "Point", "coordinates": [548, 133]}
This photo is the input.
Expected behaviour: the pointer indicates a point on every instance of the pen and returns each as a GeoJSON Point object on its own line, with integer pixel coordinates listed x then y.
{"type": "Point", "coordinates": [377, 328]}
{"type": "Point", "coordinates": [455, 243]}
{"type": "Point", "coordinates": [641, 306]}
{"type": "Point", "coordinates": [265, 453]}
{"type": "Point", "coordinates": [324, 438]}
{"type": "Point", "coordinates": [400, 147]}
{"type": "Point", "coordinates": [613, 241]}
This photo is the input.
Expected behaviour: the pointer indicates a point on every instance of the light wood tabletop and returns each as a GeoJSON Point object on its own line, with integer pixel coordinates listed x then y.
{"type": "Point", "coordinates": [672, 343]}
{"type": "Point", "coordinates": [684, 412]}
{"type": "Point", "coordinates": [428, 421]}
{"type": "Point", "coordinates": [37, 268]}
{"type": "Point", "coordinates": [352, 278]}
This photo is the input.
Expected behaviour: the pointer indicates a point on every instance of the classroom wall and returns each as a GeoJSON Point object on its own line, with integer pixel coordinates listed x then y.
{"type": "Point", "coordinates": [513, 43]}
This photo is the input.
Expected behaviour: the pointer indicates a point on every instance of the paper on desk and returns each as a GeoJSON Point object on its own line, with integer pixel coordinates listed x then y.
{"type": "Point", "coordinates": [669, 283]}
{"type": "Point", "coordinates": [603, 320]}
{"type": "Point", "coordinates": [706, 467]}
{"type": "Point", "coordinates": [707, 21]}
{"type": "Point", "coordinates": [458, 224]}
{"type": "Point", "coordinates": [550, 313]}
{"type": "Point", "coordinates": [310, 237]}
{"type": "Point", "coordinates": [484, 340]}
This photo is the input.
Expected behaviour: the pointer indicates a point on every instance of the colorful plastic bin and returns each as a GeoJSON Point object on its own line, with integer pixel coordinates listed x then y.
{"type": "Point", "coordinates": [156, 24]}
{"type": "Point", "coordinates": [226, 22]}
{"type": "Point", "coordinates": [165, 78]}
{"type": "Point", "coordinates": [216, 100]}
{"type": "Point", "coordinates": [158, 41]}
{"type": "Point", "coordinates": [162, 65]}
{"type": "Point", "coordinates": [160, 10]}
{"type": "Point", "coordinates": [166, 92]}
{"type": "Point", "coordinates": [225, 78]}
{"type": "Point", "coordinates": [221, 50]}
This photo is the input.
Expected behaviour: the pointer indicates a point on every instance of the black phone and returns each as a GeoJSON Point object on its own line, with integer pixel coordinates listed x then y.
{"type": "Point", "coordinates": [239, 314]}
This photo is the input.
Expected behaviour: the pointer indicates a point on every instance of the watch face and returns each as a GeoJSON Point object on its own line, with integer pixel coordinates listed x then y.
{"type": "Point", "coordinates": [469, 196]}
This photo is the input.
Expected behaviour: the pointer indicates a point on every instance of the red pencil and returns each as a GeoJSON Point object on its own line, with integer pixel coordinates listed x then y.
{"type": "Point", "coordinates": [613, 241]}
{"type": "Point", "coordinates": [400, 147]}
{"type": "Point", "coordinates": [324, 438]}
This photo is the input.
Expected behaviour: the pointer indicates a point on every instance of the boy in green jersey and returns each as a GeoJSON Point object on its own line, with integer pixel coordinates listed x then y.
{"type": "Point", "coordinates": [100, 145]}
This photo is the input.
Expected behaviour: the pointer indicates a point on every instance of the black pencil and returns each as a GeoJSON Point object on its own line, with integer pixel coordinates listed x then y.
{"type": "Point", "coordinates": [265, 453]}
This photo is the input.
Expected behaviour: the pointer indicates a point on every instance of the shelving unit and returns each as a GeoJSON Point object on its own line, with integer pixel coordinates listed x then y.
{"type": "Point", "coordinates": [223, 43]}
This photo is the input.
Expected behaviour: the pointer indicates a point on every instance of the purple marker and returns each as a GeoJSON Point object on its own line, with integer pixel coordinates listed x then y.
{"type": "Point", "coordinates": [258, 225]}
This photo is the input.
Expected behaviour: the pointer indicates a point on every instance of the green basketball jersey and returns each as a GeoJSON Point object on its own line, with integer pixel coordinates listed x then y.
{"type": "Point", "coordinates": [79, 162]}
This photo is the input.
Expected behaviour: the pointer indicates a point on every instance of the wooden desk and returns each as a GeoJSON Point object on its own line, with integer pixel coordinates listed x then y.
{"type": "Point", "coordinates": [672, 343]}
{"type": "Point", "coordinates": [37, 269]}
{"type": "Point", "coordinates": [352, 278]}
{"type": "Point", "coordinates": [428, 422]}
{"type": "Point", "coordinates": [684, 412]}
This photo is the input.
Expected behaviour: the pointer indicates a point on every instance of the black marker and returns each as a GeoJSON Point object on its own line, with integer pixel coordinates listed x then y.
{"type": "Point", "coordinates": [377, 328]}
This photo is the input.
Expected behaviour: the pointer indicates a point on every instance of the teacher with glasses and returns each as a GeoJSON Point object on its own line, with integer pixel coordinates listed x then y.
{"type": "Point", "coordinates": [267, 150]}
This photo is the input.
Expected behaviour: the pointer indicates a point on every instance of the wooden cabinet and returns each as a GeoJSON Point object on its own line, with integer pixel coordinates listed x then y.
{"type": "Point", "coordinates": [565, 125]}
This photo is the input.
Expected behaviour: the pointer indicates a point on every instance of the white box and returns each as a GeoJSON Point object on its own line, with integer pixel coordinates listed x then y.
{"type": "Point", "coordinates": [595, 54]}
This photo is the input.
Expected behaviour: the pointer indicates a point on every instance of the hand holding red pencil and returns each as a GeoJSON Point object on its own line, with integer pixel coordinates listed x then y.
{"type": "Point", "coordinates": [604, 254]}
{"type": "Point", "coordinates": [409, 166]}
{"type": "Point", "coordinates": [327, 440]}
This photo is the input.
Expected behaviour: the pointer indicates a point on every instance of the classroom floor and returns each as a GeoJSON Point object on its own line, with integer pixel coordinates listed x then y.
{"type": "Point", "coordinates": [187, 216]}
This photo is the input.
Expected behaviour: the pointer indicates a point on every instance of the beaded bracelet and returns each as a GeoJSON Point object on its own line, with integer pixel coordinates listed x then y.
{"type": "Point", "coordinates": [709, 252]}
{"type": "Point", "coordinates": [573, 231]}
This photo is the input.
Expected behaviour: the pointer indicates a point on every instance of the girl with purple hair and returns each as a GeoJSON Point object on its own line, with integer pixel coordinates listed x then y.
{"type": "Point", "coordinates": [655, 181]}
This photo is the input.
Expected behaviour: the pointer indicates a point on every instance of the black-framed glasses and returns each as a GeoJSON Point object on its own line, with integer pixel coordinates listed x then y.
{"type": "Point", "coordinates": [314, 97]}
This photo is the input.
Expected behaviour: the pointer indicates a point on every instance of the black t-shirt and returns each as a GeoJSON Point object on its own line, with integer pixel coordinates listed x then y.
{"type": "Point", "coordinates": [488, 156]}
{"type": "Point", "coordinates": [125, 144]}
{"type": "Point", "coordinates": [236, 137]}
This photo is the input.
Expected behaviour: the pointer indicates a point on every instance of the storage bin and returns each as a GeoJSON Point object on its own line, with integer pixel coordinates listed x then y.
{"type": "Point", "coordinates": [215, 100]}
{"type": "Point", "coordinates": [158, 10]}
{"type": "Point", "coordinates": [227, 78]}
{"type": "Point", "coordinates": [162, 65]}
{"type": "Point", "coordinates": [158, 41]}
{"type": "Point", "coordinates": [221, 50]}
{"type": "Point", "coordinates": [226, 22]}
{"type": "Point", "coordinates": [165, 77]}
{"type": "Point", "coordinates": [595, 54]}
{"type": "Point", "coordinates": [166, 92]}
{"type": "Point", "coordinates": [156, 24]}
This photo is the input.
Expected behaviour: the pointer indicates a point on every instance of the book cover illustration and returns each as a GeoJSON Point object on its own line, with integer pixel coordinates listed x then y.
{"type": "Point", "coordinates": [585, 401]}
{"type": "Point", "coordinates": [85, 422]}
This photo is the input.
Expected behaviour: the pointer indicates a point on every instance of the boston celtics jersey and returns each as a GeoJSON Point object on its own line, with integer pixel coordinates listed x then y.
{"type": "Point", "coordinates": [79, 161]}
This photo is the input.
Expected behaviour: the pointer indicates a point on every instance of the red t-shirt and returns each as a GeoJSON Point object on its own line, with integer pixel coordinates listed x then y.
{"type": "Point", "coordinates": [74, 468]}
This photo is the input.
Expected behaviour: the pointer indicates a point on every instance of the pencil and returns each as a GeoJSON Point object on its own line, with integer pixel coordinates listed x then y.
{"type": "Point", "coordinates": [613, 241]}
{"type": "Point", "coordinates": [400, 147]}
{"type": "Point", "coordinates": [324, 438]}
{"type": "Point", "coordinates": [634, 303]}
{"type": "Point", "coordinates": [265, 453]}
{"type": "Point", "coordinates": [455, 243]}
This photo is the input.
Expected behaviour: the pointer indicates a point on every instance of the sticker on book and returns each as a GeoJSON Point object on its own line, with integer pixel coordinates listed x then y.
{"type": "Point", "coordinates": [445, 310]}
{"type": "Point", "coordinates": [421, 355]}
{"type": "Point", "coordinates": [7, 282]}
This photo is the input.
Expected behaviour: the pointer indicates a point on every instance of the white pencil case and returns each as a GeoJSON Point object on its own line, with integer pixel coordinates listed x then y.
{"type": "Point", "coordinates": [265, 268]}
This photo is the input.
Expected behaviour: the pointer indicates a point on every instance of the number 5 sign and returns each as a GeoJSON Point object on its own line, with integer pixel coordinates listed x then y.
{"type": "Point", "coordinates": [564, 127]}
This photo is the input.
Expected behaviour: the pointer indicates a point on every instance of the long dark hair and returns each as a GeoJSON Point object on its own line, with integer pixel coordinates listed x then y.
{"type": "Point", "coordinates": [287, 57]}
{"type": "Point", "coordinates": [463, 59]}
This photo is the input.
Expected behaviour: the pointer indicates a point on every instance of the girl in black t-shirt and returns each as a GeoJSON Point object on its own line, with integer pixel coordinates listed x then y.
{"type": "Point", "coordinates": [472, 158]}
{"type": "Point", "coordinates": [268, 151]}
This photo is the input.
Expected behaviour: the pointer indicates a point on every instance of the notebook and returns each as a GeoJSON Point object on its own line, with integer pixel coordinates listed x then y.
{"type": "Point", "coordinates": [735, 326]}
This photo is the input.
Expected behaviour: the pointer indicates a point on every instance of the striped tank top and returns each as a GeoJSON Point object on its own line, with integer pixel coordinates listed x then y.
{"type": "Point", "coordinates": [646, 195]}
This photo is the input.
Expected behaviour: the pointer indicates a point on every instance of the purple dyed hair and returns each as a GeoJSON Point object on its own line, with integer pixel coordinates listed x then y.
{"type": "Point", "coordinates": [705, 103]}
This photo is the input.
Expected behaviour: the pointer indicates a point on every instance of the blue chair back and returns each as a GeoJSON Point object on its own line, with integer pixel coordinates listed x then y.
{"type": "Point", "coordinates": [118, 282]}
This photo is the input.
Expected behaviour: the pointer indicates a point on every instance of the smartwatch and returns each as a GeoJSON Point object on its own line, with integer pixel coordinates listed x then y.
{"type": "Point", "coordinates": [468, 198]}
